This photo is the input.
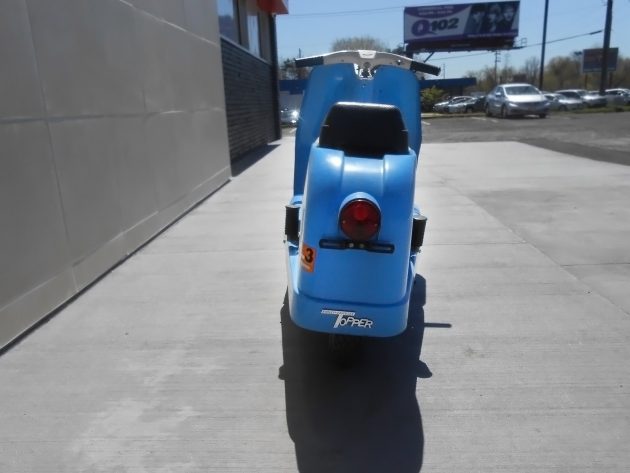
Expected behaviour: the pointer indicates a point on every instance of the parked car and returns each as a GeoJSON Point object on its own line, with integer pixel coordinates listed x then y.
{"type": "Point", "coordinates": [471, 104]}
{"type": "Point", "coordinates": [442, 107]}
{"type": "Point", "coordinates": [624, 95]}
{"type": "Point", "coordinates": [508, 100]}
{"type": "Point", "coordinates": [589, 99]}
{"type": "Point", "coordinates": [289, 116]}
{"type": "Point", "coordinates": [562, 102]}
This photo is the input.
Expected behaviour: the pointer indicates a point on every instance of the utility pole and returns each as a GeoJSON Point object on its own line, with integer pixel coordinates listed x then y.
{"type": "Point", "coordinates": [602, 79]}
{"type": "Point", "coordinates": [544, 41]}
{"type": "Point", "coordinates": [497, 60]}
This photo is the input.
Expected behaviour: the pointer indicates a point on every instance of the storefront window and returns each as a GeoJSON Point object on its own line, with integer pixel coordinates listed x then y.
{"type": "Point", "coordinates": [253, 30]}
{"type": "Point", "coordinates": [242, 22]}
{"type": "Point", "coordinates": [228, 19]}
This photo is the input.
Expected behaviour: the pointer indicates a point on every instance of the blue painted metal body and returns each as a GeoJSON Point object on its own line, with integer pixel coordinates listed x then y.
{"type": "Point", "coordinates": [353, 291]}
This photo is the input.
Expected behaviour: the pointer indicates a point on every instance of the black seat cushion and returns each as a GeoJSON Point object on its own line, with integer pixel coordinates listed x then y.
{"type": "Point", "coordinates": [364, 129]}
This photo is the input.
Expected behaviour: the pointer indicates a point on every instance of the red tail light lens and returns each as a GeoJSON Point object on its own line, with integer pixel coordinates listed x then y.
{"type": "Point", "coordinates": [360, 219]}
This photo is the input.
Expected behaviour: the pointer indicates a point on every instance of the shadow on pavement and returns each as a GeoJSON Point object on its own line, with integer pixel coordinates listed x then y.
{"type": "Point", "coordinates": [241, 164]}
{"type": "Point", "coordinates": [363, 418]}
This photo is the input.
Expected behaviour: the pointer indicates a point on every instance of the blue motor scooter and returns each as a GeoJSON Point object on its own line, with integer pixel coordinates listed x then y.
{"type": "Point", "coordinates": [352, 229]}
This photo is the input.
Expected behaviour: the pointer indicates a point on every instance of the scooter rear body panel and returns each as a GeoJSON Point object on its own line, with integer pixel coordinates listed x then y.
{"type": "Point", "coordinates": [336, 285]}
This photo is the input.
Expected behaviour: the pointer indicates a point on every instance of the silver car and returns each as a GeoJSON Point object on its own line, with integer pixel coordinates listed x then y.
{"type": "Point", "coordinates": [442, 107]}
{"type": "Point", "coordinates": [562, 102]}
{"type": "Point", "coordinates": [508, 100]}
{"type": "Point", "coordinates": [621, 96]}
{"type": "Point", "coordinates": [471, 104]}
{"type": "Point", "coordinates": [590, 99]}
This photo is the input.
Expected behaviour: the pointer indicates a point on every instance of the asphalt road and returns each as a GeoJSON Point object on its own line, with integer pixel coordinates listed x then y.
{"type": "Point", "coordinates": [599, 136]}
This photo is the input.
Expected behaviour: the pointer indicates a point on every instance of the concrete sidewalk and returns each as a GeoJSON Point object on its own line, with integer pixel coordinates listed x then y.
{"type": "Point", "coordinates": [177, 360]}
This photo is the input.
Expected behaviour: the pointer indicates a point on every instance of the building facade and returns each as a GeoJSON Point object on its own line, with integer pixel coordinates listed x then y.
{"type": "Point", "coordinates": [250, 65]}
{"type": "Point", "coordinates": [113, 123]}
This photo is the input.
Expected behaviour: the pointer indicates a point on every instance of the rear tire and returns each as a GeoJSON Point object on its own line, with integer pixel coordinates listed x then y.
{"type": "Point", "coordinates": [344, 349]}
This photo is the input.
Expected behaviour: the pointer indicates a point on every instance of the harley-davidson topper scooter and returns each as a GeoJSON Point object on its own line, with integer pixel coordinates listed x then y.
{"type": "Point", "coordinates": [352, 229]}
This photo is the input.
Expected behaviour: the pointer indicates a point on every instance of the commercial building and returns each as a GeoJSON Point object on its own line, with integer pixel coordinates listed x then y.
{"type": "Point", "coordinates": [116, 117]}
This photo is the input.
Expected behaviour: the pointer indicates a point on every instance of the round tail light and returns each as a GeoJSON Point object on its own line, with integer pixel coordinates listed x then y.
{"type": "Point", "coordinates": [360, 219]}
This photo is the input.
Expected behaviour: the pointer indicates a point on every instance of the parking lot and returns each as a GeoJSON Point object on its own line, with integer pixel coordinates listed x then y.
{"type": "Point", "coordinates": [600, 136]}
{"type": "Point", "coordinates": [515, 359]}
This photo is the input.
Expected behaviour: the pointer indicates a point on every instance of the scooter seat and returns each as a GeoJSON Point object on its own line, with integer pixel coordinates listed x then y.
{"type": "Point", "coordinates": [364, 130]}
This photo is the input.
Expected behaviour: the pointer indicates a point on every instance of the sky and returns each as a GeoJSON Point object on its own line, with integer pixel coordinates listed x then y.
{"type": "Point", "coordinates": [311, 27]}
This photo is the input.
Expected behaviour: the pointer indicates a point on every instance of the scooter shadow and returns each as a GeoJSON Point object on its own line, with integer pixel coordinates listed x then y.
{"type": "Point", "coordinates": [358, 418]}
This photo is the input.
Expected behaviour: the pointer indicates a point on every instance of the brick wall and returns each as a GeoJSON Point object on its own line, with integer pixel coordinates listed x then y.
{"type": "Point", "coordinates": [250, 100]}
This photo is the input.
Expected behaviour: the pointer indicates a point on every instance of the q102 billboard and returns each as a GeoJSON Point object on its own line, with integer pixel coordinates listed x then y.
{"type": "Point", "coordinates": [466, 26]}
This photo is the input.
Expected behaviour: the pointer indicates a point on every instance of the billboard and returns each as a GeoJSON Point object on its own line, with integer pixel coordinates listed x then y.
{"type": "Point", "coordinates": [592, 60]}
{"type": "Point", "coordinates": [466, 26]}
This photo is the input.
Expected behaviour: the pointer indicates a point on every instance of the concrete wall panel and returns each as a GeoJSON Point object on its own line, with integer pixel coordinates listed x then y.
{"type": "Point", "coordinates": [125, 130]}
{"type": "Point", "coordinates": [33, 246]}
{"type": "Point", "coordinates": [87, 53]}
{"type": "Point", "coordinates": [165, 64]}
{"type": "Point", "coordinates": [87, 161]}
{"type": "Point", "coordinates": [171, 11]}
{"type": "Point", "coordinates": [163, 146]}
{"type": "Point", "coordinates": [135, 174]}
{"type": "Point", "coordinates": [201, 18]}
{"type": "Point", "coordinates": [20, 92]}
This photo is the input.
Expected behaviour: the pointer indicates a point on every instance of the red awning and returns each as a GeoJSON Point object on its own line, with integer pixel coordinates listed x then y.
{"type": "Point", "coordinates": [274, 6]}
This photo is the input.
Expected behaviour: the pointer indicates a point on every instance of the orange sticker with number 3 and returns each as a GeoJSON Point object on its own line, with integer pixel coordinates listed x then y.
{"type": "Point", "coordinates": [308, 257]}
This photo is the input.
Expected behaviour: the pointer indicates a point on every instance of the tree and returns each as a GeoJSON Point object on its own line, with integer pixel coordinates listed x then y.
{"type": "Point", "coordinates": [561, 73]}
{"type": "Point", "coordinates": [358, 42]}
{"type": "Point", "coordinates": [530, 70]}
{"type": "Point", "coordinates": [621, 77]}
{"type": "Point", "coordinates": [430, 97]}
{"type": "Point", "coordinates": [485, 78]}
{"type": "Point", "coordinates": [287, 70]}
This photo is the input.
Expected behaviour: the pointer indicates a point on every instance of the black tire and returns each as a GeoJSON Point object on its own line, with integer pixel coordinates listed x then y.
{"type": "Point", "coordinates": [563, 108]}
{"type": "Point", "coordinates": [488, 113]}
{"type": "Point", "coordinates": [344, 349]}
{"type": "Point", "coordinates": [542, 115]}
{"type": "Point", "coordinates": [504, 113]}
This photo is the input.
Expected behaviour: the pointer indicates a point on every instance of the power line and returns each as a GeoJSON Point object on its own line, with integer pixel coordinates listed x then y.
{"type": "Point", "coordinates": [342, 13]}
{"type": "Point", "coordinates": [353, 12]}
{"type": "Point", "coordinates": [365, 11]}
{"type": "Point", "coordinates": [522, 47]}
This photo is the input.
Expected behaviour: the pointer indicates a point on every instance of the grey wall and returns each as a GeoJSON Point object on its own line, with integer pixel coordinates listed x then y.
{"type": "Point", "coordinates": [112, 124]}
